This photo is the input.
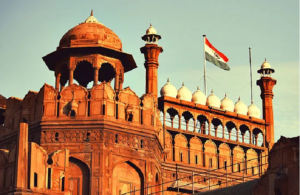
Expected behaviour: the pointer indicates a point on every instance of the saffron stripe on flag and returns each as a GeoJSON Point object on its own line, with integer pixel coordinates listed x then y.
{"type": "Point", "coordinates": [217, 51]}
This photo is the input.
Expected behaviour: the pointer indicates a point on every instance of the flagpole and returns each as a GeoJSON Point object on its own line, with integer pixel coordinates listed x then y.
{"type": "Point", "coordinates": [250, 74]}
{"type": "Point", "coordinates": [205, 85]}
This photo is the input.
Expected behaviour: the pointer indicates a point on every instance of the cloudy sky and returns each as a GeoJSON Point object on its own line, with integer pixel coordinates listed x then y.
{"type": "Point", "coordinates": [32, 29]}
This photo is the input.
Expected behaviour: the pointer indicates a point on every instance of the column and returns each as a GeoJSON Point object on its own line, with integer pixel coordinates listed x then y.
{"type": "Point", "coordinates": [21, 166]}
{"type": "Point", "coordinates": [179, 116]}
{"type": "Point", "coordinates": [255, 136]}
{"type": "Point", "coordinates": [96, 72]}
{"type": "Point", "coordinates": [250, 137]}
{"type": "Point", "coordinates": [223, 131]}
{"type": "Point", "coordinates": [194, 125]}
{"type": "Point", "coordinates": [187, 125]}
{"type": "Point", "coordinates": [71, 77]}
{"type": "Point", "coordinates": [117, 81]}
{"type": "Point", "coordinates": [57, 81]}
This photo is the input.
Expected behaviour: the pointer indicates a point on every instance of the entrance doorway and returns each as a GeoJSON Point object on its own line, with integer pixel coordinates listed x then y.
{"type": "Point", "coordinates": [79, 177]}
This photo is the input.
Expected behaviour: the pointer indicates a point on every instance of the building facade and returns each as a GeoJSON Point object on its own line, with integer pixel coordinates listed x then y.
{"type": "Point", "coordinates": [70, 139]}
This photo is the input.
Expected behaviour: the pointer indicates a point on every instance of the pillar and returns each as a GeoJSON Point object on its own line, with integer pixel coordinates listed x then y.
{"type": "Point", "coordinates": [151, 53]}
{"type": "Point", "coordinates": [71, 77]}
{"type": "Point", "coordinates": [57, 82]}
{"type": "Point", "coordinates": [117, 81]}
{"type": "Point", "coordinates": [21, 169]}
{"type": "Point", "coordinates": [266, 85]}
{"type": "Point", "coordinates": [96, 72]}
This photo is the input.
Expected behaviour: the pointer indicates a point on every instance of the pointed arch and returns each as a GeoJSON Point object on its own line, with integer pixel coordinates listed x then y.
{"type": "Point", "coordinates": [181, 148]}
{"type": "Point", "coordinates": [202, 124]}
{"type": "Point", "coordinates": [210, 151]}
{"type": "Point", "coordinates": [126, 177]}
{"type": "Point", "coordinates": [79, 176]}
{"type": "Point", "coordinates": [224, 156]}
{"type": "Point", "coordinates": [196, 153]}
{"type": "Point", "coordinates": [238, 159]}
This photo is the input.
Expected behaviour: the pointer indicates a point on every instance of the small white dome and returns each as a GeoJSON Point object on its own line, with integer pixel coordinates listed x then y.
{"type": "Point", "coordinates": [227, 104]}
{"type": "Point", "coordinates": [265, 65]}
{"type": "Point", "coordinates": [240, 107]}
{"type": "Point", "coordinates": [213, 100]}
{"type": "Point", "coordinates": [253, 111]}
{"type": "Point", "coordinates": [184, 93]}
{"type": "Point", "coordinates": [151, 30]}
{"type": "Point", "coordinates": [199, 97]}
{"type": "Point", "coordinates": [168, 90]}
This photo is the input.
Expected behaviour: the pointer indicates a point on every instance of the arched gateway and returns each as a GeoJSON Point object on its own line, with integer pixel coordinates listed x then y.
{"type": "Point", "coordinates": [79, 177]}
{"type": "Point", "coordinates": [126, 178]}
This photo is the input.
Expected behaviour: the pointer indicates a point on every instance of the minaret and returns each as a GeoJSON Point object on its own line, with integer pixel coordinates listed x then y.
{"type": "Point", "coordinates": [151, 51]}
{"type": "Point", "coordinates": [266, 84]}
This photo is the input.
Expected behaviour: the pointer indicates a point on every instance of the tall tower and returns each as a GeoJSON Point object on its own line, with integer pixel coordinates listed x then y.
{"type": "Point", "coordinates": [151, 51]}
{"type": "Point", "coordinates": [266, 84]}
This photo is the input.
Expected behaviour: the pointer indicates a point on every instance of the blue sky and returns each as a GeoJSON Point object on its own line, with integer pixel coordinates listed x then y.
{"type": "Point", "coordinates": [32, 29]}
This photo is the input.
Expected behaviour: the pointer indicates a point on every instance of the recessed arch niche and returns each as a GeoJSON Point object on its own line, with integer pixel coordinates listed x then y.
{"type": "Point", "coordinates": [79, 177]}
{"type": "Point", "coordinates": [127, 177]}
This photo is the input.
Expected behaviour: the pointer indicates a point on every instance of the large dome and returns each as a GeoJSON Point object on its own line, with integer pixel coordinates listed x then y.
{"type": "Point", "coordinates": [91, 33]}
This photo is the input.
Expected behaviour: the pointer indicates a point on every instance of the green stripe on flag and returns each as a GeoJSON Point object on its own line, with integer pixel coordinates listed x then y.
{"type": "Point", "coordinates": [216, 62]}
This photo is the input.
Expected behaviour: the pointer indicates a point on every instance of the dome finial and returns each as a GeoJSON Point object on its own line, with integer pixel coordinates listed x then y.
{"type": "Point", "coordinates": [225, 94]}
{"type": "Point", "coordinates": [182, 83]}
{"type": "Point", "coordinates": [265, 59]}
{"type": "Point", "coordinates": [212, 91]}
{"type": "Point", "coordinates": [251, 101]}
{"type": "Point", "coordinates": [168, 80]}
{"type": "Point", "coordinates": [92, 13]}
{"type": "Point", "coordinates": [150, 24]}
{"type": "Point", "coordinates": [239, 97]}
{"type": "Point", "coordinates": [198, 88]}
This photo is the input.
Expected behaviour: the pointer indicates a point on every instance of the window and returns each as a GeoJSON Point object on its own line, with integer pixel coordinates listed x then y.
{"type": "Point", "coordinates": [130, 117]}
{"type": "Point", "coordinates": [253, 172]}
{"type": "Point", "coordinates": [116, 138]}
{"type": "Point", "coordinates": [103, 109]}
{"type": "Point", "coordinates": [181, 159]}
{"type": "Point", "coordinates": [35, 180]}
{"type": "Point", "coordinates": [210, 162]}
{"type": "Point", "coordinates": [56, 136]}
{"type": "Point", "coordinates": [117, 111]}
{"type": "Point", "coordinates": [63, 184]}
{"type": "Point", "coordinates": [142, 143]}
{"type": "Point", "coordinates": [73, 113]}
{"type": "Point", "coordinates": [196, 159]}
{"type": "Point", "coordinates": [49, 179]}
{"type": "Point", "coordinates": [225, 165]}
{"type": "Point", "coordinates": [239, 168]}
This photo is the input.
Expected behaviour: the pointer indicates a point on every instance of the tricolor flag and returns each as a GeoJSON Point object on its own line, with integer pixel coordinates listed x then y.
{"type": "Point", "coordinates": [214, 56]}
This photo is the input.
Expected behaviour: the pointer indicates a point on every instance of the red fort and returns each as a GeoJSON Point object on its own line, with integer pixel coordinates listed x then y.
{"type": "Point", "coordinates": [106, 140]}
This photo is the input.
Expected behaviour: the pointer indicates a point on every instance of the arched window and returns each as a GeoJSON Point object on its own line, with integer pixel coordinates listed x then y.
{"type": "Point", "coordinates": [196, 159]}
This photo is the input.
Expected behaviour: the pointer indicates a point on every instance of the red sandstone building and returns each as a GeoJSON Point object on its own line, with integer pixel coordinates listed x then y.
{"type": "Point", "coordinates": [70, 139]}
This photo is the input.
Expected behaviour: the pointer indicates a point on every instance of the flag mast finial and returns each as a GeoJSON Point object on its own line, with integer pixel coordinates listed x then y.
{"type": "Point", "coordinates": [250, 74]}
{"type": "Point", "coordinates": [204, 58]}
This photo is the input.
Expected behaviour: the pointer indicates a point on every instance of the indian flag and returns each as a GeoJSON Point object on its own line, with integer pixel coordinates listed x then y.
{"type": "Point", "coordinates": [214, 56]}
